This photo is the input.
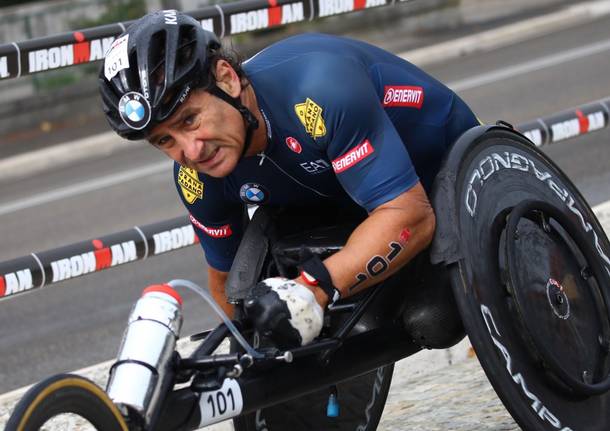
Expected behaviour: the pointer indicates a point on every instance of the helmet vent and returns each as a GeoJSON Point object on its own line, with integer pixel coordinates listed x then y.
{"type": "Point", "coordinates": [130, 80]}
{"type": "Point", "coordinates": [185, 55]}
{"type": "Point", "coordinates": [156, 59]}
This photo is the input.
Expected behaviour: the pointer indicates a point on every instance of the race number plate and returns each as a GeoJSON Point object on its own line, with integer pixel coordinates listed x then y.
{"type": "Point", "coordinates": [225, 403]}
{"type": "Point", "coordinates": [117, 57]}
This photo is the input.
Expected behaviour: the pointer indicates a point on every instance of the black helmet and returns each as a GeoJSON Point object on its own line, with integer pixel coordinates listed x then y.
{"type": "Point", "coordinates": [151, 68]}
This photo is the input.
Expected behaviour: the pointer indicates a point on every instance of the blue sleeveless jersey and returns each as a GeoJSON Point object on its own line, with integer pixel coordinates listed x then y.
{"type": "Point", "coordinates": [350, 124]}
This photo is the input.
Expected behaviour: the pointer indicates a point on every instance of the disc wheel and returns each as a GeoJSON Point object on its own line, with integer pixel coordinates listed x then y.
{"type": "Point", "coordinates": [66, 394]}
{"type": "Point", "coordinates": [532, 287]}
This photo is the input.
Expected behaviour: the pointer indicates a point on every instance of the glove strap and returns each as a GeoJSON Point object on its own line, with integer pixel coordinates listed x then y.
{"type": "Point", "coordinates": [318, 275]}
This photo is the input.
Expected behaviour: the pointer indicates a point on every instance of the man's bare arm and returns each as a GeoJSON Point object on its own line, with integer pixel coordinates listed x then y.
{"type": "Point", "coordinates": [216, 283]}
{"type": "Point", "coordinates": [383, 243]}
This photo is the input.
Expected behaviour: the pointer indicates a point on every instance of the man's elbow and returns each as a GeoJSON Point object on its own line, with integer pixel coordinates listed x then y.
{"type": "Point", "coordinates": [427, 228]}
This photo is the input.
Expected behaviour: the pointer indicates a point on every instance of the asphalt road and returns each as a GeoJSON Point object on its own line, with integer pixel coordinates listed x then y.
{"type": "Point", "coordinates": [79, 323]}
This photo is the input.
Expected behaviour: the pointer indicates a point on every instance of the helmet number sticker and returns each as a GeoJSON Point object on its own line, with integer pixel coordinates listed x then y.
{"type": "Point", "coordinates": [117, 57]}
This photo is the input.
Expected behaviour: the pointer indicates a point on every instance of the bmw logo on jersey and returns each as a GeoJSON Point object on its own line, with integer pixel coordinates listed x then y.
{"type": "Point", "coordinates": [253, 193]}
{"type": "Point", "coordinates": [135, 110]}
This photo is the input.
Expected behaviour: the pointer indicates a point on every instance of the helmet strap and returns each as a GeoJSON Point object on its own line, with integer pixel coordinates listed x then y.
{"type": "Point", "coordinates": [249, 118]}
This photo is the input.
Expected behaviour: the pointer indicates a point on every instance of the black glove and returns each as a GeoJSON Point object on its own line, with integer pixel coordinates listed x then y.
{"type": "Point", "coordinates": [285, 311]}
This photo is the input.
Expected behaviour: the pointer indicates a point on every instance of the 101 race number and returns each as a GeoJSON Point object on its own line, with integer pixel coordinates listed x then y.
{"type": "Point", "coordinates": [224, 403]}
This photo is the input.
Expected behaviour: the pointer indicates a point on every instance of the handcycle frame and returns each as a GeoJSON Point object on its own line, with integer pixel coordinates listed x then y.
{"type": "Point", "coordinates": [372, 333]}
{"type": "Point", "coordinates": [370, 330]}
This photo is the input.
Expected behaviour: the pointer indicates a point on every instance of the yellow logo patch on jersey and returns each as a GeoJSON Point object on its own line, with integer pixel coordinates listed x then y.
{"type": "Point", "coordinates": [191, 186]}
{"type": "Point", "coordinates": [310, 114]}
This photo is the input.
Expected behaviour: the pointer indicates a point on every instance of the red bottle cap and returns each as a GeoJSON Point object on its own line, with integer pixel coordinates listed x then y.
{"type": "Point", "coordinates": [163, 288]}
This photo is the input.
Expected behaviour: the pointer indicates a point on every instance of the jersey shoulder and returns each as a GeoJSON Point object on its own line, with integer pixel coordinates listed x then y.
{"type": "Point", "coordinates": [304, 84]}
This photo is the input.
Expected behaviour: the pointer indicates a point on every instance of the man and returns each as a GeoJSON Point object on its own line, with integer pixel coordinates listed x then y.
{"type": "Point", "coordinates": [313, 120]}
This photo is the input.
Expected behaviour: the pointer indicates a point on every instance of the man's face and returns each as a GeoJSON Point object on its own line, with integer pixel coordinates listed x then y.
{"type": "Point", "coordinates": [205, 134]}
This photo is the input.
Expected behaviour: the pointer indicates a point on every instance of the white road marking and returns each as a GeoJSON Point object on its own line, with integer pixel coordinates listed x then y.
{"type": "Point", "coordinates": [60, 155]}
{"type": "Point", "coordinates": [84, 187]}
{"type": "Point", "coordinates": [571, 16]}
{"type": "Point", "coordinates": [530, 66]}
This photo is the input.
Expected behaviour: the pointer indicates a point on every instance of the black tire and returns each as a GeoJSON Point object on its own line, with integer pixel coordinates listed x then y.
{"type": "Point", "coordinates": [504, 281]}
{"type": "Point", "coordinates": [361, 401]}
{"type": "Point", "coordinates": [65, 393]}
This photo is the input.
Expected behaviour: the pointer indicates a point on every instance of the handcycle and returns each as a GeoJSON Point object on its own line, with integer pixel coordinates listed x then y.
{"type": "Point", "coordinates": [519, 263]}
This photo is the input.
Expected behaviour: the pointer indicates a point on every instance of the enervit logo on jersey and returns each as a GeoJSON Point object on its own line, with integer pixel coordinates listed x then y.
{"type": "Point", "coordinates": [310, 114]}
{"type": "Point", "coordinates": [267, 17]}
{"type": "Point", "coordinates": [403, 96]}
{"type": "Point", "coordinates": [15, 282]}
{"type": "Point", "coordinates": [66, 55]}
{"type": "Point", "coordinates": [190, 185]}
{"type": "Point", "coordinates": [353, 157]}
{"type": "Point", "coordinates": [215, 232]}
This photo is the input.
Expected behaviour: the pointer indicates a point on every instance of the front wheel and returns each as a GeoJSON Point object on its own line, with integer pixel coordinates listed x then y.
{"type": "Point", "coordinates": [67, 397]}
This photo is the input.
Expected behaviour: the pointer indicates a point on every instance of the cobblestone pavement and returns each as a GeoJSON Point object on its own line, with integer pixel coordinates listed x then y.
{"type": "Point", "coordinates": [454, 398]}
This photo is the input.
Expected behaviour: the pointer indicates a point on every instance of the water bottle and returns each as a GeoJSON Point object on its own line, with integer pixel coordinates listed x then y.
{"type": "Point", "coordinates": [140, 377]}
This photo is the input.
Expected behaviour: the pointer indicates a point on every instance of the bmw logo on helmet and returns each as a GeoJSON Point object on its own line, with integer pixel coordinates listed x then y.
{"type": "Point", "coordinates": [253, 193]}
{"type": "Point", "coordinates": [135, 110]}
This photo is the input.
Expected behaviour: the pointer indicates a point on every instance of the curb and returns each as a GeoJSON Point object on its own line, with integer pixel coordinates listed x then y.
{"type": "Point", "coordinates": [108, 143]}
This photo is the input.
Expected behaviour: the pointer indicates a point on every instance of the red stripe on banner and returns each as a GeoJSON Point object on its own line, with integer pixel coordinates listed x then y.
{"type": "Point", "coordinates": [103, 255]}
{"type": "Point", "coordinates": [82, 49]}
{"type": "Point", "coordinates": [2, 286]}
{"type": "Point", "coordinates": [275, 15]}
{"type": "Point", "coordinates": [583, 121]}
{"type": "Point", "coordinates": [359, 4]}
{"type": "Point", "coordinates": [79, 36]}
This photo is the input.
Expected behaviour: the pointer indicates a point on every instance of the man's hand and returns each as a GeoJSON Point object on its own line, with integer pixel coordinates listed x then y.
{"type": "Point", "coordinates": [285, 311]}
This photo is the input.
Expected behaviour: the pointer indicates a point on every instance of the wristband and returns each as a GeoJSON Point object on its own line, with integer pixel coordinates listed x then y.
{"type": "Point", "coordinates": [309, 279]}
{"type": "Point", "coordinates": [314, 273]}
